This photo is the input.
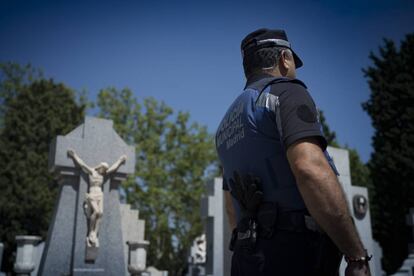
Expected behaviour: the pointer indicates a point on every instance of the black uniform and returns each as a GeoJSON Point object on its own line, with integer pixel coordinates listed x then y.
{"type": "Point", "coordinates": [270, 115]}
{"type": "Point", "coordinates": [253, 144]}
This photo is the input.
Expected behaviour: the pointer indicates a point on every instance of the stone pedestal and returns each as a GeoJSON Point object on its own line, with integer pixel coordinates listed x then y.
{"type": "Point", "coordinates": [137, 257]}
{"type": "Point", "coordinates": [133, 229]}
{"type": "Point", "coordinates": [25, 262]}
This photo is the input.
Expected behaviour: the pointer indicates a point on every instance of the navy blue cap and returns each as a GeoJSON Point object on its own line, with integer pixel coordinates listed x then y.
{"type": "Point", "coordinates": [264, 38]}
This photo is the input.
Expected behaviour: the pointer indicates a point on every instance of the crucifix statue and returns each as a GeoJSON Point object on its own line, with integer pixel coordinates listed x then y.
{"type": "Point", "coordinates": [93, 204]}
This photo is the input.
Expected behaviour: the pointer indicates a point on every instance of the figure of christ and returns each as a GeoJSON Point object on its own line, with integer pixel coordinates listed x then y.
{"type": "Point", "coordinates": [93, 204]}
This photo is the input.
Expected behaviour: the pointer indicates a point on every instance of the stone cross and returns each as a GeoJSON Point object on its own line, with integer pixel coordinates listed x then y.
{"type": "Point", "coordinates": [66, 251]}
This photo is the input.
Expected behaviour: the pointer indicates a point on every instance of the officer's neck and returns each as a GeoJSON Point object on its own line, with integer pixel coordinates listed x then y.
{"type": "Point", "coordinates": [263, 74]}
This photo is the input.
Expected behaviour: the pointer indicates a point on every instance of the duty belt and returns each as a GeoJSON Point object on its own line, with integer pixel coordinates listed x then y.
{"type": "Point", "coordinates": [266, 221]}
{"type": "Point", "coordinates": [270, 217]}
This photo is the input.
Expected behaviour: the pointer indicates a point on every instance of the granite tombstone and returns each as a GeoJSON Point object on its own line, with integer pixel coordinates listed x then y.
{"type": "Point", "coordinates": [71, 247]}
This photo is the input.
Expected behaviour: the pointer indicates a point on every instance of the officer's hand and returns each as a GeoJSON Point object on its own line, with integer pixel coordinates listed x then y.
{"type": "Point", "coordinates": [357, 269]}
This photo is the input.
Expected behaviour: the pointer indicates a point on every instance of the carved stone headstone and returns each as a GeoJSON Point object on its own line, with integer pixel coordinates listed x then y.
{"type": "Point", "coordinates": [65, 253]}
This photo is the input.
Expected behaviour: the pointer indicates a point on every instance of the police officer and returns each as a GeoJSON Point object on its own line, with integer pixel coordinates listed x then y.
{"type": "Point", "coordinates": [295, 221]}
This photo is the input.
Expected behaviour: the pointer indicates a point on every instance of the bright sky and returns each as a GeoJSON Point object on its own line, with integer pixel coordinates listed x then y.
{"type": "Point", "coordinates": [188, 53]}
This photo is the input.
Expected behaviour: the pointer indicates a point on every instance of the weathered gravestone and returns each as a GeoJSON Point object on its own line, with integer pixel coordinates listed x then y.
{"type": "Point", "coordinates": [85, 236]}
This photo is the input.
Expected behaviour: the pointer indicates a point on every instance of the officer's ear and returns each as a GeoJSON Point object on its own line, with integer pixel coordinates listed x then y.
{"type": "Point", "coordinates": [286, 63]}
{"type": "Point", "coordinates": [286, 59]}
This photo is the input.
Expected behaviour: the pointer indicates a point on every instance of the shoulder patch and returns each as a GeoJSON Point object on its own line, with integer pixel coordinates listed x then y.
{"type": "Point", "coordinates": [306, 114]}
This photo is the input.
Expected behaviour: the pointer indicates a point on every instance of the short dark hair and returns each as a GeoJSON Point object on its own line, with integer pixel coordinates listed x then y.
{"type": "Point", "coordinates": [256, 61]}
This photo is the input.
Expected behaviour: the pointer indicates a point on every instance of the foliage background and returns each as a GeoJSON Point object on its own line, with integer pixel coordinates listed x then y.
{"type": "Point", "coordinates": [391, 108]}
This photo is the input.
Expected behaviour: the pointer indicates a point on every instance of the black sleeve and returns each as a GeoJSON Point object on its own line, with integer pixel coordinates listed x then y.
{"type": "Point", "coordinates": [298, 115]}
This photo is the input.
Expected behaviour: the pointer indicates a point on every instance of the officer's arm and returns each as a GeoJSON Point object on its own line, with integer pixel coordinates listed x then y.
{"type": "Point", "coordinates": [323, 195]}
{"type": "Point", "coordinates": [231, 213]}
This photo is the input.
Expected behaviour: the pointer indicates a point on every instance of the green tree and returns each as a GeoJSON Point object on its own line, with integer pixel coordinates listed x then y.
{"type": "Point", "coordinates": [33, 115]}
{"type": "Point", "coordinates": [173, 162]}
{"type": "Point", "coordinates": [12, 79]}
{"type": "Point", "coordinates": [391, 107]}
